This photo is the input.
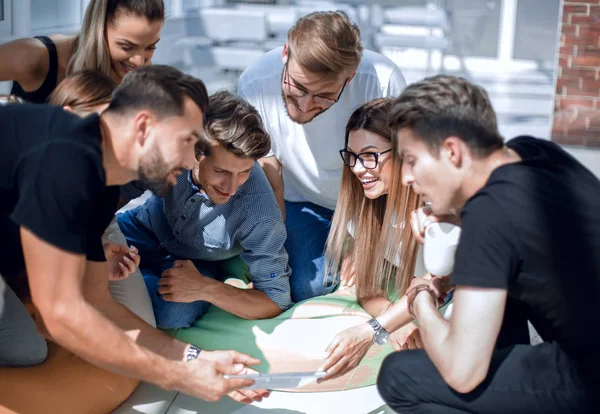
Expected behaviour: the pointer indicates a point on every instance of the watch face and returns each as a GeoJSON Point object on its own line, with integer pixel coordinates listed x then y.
{"type": "Point", "coordinates": [381, 338]}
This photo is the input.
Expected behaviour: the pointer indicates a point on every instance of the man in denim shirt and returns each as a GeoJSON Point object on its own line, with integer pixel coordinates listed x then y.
{"type": "Point", "coordinates": [224, 207]}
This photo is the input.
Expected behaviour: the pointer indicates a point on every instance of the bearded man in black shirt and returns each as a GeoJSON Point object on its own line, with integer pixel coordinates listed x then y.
{"type": "Point", "coordinates": [529, 251]}
{"type": "Point", "coordinates": [59, 189]}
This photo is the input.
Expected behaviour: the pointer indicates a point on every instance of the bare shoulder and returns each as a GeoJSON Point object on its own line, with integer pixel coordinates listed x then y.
{"type": "Point", "coordinates": [27, 60]}
{"type": "Point", "coordinates": [24, 60]}
{"type": "Point", "coordinates": [65, 47]}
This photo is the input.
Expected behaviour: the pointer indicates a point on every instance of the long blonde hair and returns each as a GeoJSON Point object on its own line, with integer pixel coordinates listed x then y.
{"type": "Point", "coordinates": [367, 250]}
{"type": "Point", "coordinates": [91, 49]}
{"type": "Point", "coordinates": [395, 265]}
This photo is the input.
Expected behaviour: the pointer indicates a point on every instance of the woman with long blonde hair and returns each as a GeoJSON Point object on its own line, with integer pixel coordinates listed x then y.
{"type": "Point", "coordinates": [117, 36]}
{"type": "Point", "coordinates": [372, 207]}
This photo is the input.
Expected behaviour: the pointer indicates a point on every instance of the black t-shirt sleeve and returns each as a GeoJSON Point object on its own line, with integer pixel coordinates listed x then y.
{"type": "Point", "coordinates": [60, 186]}
{"type": "Point", "coordinates": [132, 190]}
{"type": "Point", "coordinates": [486, 255]}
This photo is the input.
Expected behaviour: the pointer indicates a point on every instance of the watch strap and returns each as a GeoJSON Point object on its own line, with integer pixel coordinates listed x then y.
{"type": "Point", "coordinates": [192, 352]}
{"type": "Point", "coordinates": [376, 325]}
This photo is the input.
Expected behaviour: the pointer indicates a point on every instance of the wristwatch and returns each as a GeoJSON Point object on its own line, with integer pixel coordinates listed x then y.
{"type": "Point", "coordinates": [381, 335]}
{"type": "Point", "coordinates": [192, 352]}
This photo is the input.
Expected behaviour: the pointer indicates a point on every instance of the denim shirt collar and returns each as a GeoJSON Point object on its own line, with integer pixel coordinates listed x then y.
{"type": "Point", "coordinates": [196, 188]}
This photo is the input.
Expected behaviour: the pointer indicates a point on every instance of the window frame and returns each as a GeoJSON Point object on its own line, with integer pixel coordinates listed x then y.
{"type": "Point", "coordinates": [6, 22]}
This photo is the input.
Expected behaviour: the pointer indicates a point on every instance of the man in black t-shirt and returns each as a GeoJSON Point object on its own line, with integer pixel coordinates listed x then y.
{"type": "Point", "coordinates": [59, 189]}
{"type": "Point", "coordinates": [530, 218]}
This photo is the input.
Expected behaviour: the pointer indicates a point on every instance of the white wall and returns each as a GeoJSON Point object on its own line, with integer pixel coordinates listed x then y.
{"type": "Point", "coordinates": [49, 15]}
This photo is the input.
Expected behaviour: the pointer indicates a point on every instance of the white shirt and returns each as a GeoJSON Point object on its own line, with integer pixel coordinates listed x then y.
{"type": "Point", "coordinates": [309, 153]}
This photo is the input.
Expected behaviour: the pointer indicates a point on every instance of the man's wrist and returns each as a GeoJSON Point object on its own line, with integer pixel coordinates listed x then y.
{"type": "Point", "coordinates": [191, 352]}
{"type": "Point", "coordinates": [422, 299]}
{"type": "Point", "coordinates": [412, 294]}
{"type": "Point", "coordinates": [209, 288]}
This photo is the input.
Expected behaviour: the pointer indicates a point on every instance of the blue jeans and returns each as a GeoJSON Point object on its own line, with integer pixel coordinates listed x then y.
{"type": "Point", "coordinates": [307, 228]}
{"type": "Point", "coordinates": [155, 259]}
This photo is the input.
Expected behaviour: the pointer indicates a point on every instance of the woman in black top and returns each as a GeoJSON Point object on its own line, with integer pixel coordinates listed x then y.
{"type": "Point", "coordinates": [116, 37]}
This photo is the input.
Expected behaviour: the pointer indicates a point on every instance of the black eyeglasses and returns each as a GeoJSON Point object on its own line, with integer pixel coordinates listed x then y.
{"type": "Point", "coordinates": [299, 92]}
{"type": "Point", "coordinates": [369, 160]}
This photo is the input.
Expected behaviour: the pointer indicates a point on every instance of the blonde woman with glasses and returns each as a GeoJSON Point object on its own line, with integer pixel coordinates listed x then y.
{"type": "Point", "coordinates": [355, 250]}
{"type": "Point", "coordinates": [117, 36]}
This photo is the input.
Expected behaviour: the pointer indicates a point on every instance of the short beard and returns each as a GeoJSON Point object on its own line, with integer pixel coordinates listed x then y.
{"type": "Point", "coordinates": [285, 105]}
{"type": "Point", "coordinates": [153, 175]}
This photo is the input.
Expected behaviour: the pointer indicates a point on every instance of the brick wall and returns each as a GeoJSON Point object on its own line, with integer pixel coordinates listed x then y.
{"type": "Point", "coordinates": [577, 102]}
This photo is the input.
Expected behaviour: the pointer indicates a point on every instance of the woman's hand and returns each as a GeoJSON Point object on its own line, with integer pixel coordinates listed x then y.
{"type": "Point", "coordinates": [407, 337]}
{"type": "Point", "coordinates": [122, 260]}
{"type": "Point", "coordinates": [346, 350]}
{"type": "Point", "coordinates": [347, 272]}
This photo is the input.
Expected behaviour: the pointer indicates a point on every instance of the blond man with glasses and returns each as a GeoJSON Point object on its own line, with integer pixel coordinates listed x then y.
{"type": "Point", "coordinates": [305, 92]}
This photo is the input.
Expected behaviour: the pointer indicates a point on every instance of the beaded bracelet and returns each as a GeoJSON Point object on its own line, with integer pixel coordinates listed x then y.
{"type": "Point", "coordinates": [412, 294]}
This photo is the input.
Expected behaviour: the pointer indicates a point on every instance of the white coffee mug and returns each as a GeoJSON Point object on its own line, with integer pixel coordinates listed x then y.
{"type": "Point", "coordinates": [441, 240]}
